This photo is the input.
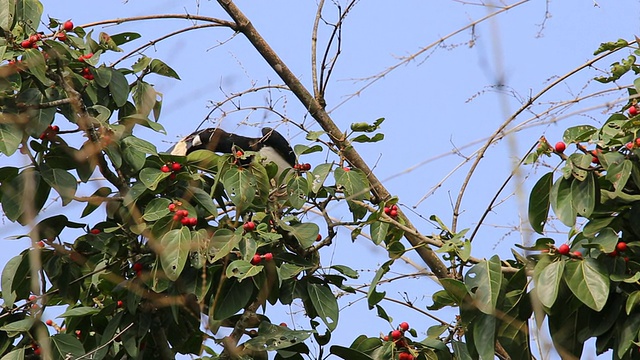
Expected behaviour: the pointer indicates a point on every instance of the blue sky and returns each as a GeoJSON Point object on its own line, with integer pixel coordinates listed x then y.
{"type": "Point", "coordinates": [446, 99]}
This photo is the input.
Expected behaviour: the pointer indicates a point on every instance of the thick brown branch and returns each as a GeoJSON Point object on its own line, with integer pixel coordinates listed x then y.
{"type": "Point", "coordinates": [245, 27]}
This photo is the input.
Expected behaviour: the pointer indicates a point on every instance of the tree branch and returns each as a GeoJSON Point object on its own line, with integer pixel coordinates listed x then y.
{"type": "Point", "coordinates": [244, 26]}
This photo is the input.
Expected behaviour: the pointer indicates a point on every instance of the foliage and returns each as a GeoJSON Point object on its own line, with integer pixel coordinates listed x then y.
{"type": "Point", "coordinates": [175, 242]}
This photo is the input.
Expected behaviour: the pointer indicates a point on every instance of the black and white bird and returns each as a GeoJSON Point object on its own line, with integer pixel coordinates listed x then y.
{"type": "Point", "coordinates": [271, 146]}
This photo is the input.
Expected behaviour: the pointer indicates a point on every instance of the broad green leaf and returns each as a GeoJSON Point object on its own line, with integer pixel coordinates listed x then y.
{"type": "Point", "coordinates": [96, 199]}
{"type": "Point", "coordinates": [65, 345]}
{"type": "Point", "coordinates": [29, 13]}
{"type": "Point", "coordinates": [79, 311]}
{"type": "Point", "coordinates": [8, 275]}
{"type": "Point", "coordinates": [579, 133]}
{"type": "Point", "coordinates": [271, 337]}
{"type": "Point", "coordinates": [175, 246]}
{"type": "Point", "coordinates": [379, 231]}
{"type": "Point", "coordinates": [64, 183]}
{"type": "Point", "coordinates": [562, 201]}
{"type": "Point", "coordinates": [300, 149]}
{"type": "Point", "coordinates": [539, 202]}
{"type": "Point", "coordinates": [140, 145]}
{"type": "Point", "coordinates": [325, 304]}
{"type": "Point", "coordinates": [486, 278]}
{"type": "Point", "coordinates": [35, 63]}
{"type": "Point", "coordinates": [107, 335]}
{"type": "Point", "coordinates": [632, 301]}
{"type": "Point", "coordinates": [151, 177]}
{"type": "Point", "coordinates": [583, 194]}
{"type": "Point", "coordinates": [125, 37]}
{"type": "Point", "coordinates": [242, 269]}
{"type": "Point", "coordinates": [240, 185]}
{"type": "Point", "coordinates": [141, 64]}
{"type": "Point", "coordinates": [232, 299]}
{"type": "Point", "coordinates": [17, 327]}
{"type": "Point", "coordinates": [10, 138]}
{"type": "Point", "coordinates": [373, 296]}
{"type": "Point", "coordinates": [588, 281]}
{"type": "Point", "coordinates": [548, 283]}
{"type": "Point", "coordinates": [346, 271]}
{"type": "Point", "coordinates": [7, 14]}
{"type": "Point", "coordinates": [354, 183]}
{"type": "Point", "coordinates": [119, 88]}
{"type": "Point", "coordinates": [103, 76]}
{"type": "Point", "coordinates": [156, 209]}
{"type": "Point", "coordinates": [460, 350]}
{"type": "Point", "coordinates": [348, 354]}
{"type": "Point", "coordinates": [362, 138]}
{"type": "Point", "coordinates": [607, 239]}
{"type": "Point", "coordinates": [484, 336]}
{"type": "Point", "coordinates": [163, 69]}
{"type": "Point", "coordinates": [297, 189]}
{"type": "Point", "coordinates": [203, 199]}
{"type": "Point", "coordinates": [144, 96]}
{"type": "Point", "coordinates": [577, 164]}
{"type": "Point", "coordinates": [15, 354]}
{"type": "Point", "coordinates": [318, 175]}
{"type": "Point", "coordinates": [305, 233]}
{"type": "Point", "coordinates": [618, 174]}
{"type": "Point", "coordinates": [628, 334]}
{"type": "Point", "coordinates": [222, 243]}
{"type": "Point", "coordinates": [456, 289]}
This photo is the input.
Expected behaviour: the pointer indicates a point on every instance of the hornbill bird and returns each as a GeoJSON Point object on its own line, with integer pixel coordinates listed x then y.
{"type": "Point", "coordinates": [271, 145]}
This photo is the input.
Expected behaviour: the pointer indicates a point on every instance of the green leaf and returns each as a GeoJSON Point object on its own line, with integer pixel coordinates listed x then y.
{"type": "Point", "coordinates": [10, 138]}
{"type": "Point", "coordinates": [362, 138]}
{"type": "Point", "coordinates": [319, 175]}
{"type": "Point", "coordinates": [588, 280]}
{"type": "Point", "coordinates": [373, 296]}
{"type": "Point", "coordinates": [119, 88]}
{"type": "Point", "coordinates": [125, 37]}
{"type": "Point", "coordinates": [36, 65]}
{"type": "Point", "coordinates": [163, 69]}
{"type": "Point", "coordinates": [203, 199]}
{"type": "Point", "coordinates": [562, 202]}
{"type": "Point", "coordinates": [65, 345]}
{"type": "Point", "coordinates": [539, 202]}
{"type": "Point", "coordinates": [79, 311]}
{"type": "Point", "coordinates": [243, 269]}
{"type": "Point", "coordinates": [16, 354]}
{"type": "Point", "coordinates": [618, 174]}
{"type": "Point", "coordinates": [346, 271]}
{"type": "Point", "coordinates": [628, 334]}
{"type": "Point", "coordinates": [144, 96]}
{"type": "Point", "coordinates": [460, 350]}
{"type": "Point", "coordinates": [486, 278]}
{"type": "Point", "coordinates": [583, 194]}
{"type": "Point", "coordinates": [348, 354]}
{"type": "Point", "coordinates": [325, 304]}
{"type": "Point", "coordinates": [175, 246]}
{"type": "Point", "coordinates": [96, 199]}
{"type": "Point", "coordinates": [7, 13]}
{"type": "Point", "coordinates": [222, 243]}
{"type": "Point", "coordinates": [579, 133]}
{"type": "Point", "coordinates": [548, 283]}
{"type": "Point", "coordinates": [151, 177]}
{"type": "Point", "coordinates": [305, 233]}
{"type": "Point", "coordinates": [271, 337]}
{"type": "Point", "coordinates": [64, 183]}
{"type": "Point", "coordinates": [29, 12]}
{"type": "Point", "coordinates": [297, 189]}
{"type": "Point", "coordinates": [607, 239]}
{"type": "Point", "coordinates": [232, 299]}
{"type": "Point", "coordinates": [156, 209]}
{"type": "Point", "coordinates": [354, 183]}
{"type": "Point", "coordinates": [240, 185]}
{"type": "Point", "coordinates": [7, 280]}
{"type": "Point", "coordinates": [484, 336]}
{"type": "Point", "coordinates": [632, 301]}
{"type": "Point", "coordinates": [17, 327]}
{"type": "Point", "coordinates": [456, 289]}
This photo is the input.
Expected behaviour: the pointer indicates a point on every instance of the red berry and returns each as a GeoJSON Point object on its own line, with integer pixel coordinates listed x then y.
{"type": "Point", "coordinates": [404, 326]}
{"type": "Point", "coordinates": [268, 257]}
{"type": "Point", "coordinates": [256, 259]}
{"type": "Point", "coordinates": [176, 217]}
{"type": "Point", "coordinates": [563, 249]}
{"type": "Point", "coordinates": [319, 237]}
{"type": "Point", "coordinates": [78, 333]}
{"type": "Point", "coordinates": [577, 254]}
{"type": "Point", "coordinates": [55, 128]}
{"type": "Point", "coordinates": [239, 153]}
{"type": "Point", "coordinates": [137, 267]}
{"type": "Point", "coordinates": [183, 213]}
{"type": "Point", "coordinates": [165, 169]}
{"type": "Point", "coordinates": [26, 44]}
{"type": "Point", "coordinates": [637, 142]}
{"type": "Point", "coordinates": [405, 356]}
{"type": "Point", "coordinates": [193, 221]}
{"type": "Point", "coordinates": [172, 207]}
{"type": "Point", "coordinates": [595, 160]}
{"type": "Point", "coordinates": [49, 322]}
{"type": "Point", "coordinates": [393, 213]}
{"type": "Point", "coordinates": [307, 166]}
{"type": "Point", "coordinates": [283, 324]}
{"type": "Point", "coordinates": [62, 36]}
{"type": "Point", "coordinates": [385, 338]}
{"type": "Point", "coordinates": [626, 259]}
{"type": "Point", "coordinates": [37, 351]}
{"type": "Point", "coordinates": [68, 25]}
{"type": "Point", "coordinates": [249, 226]}
{"type": "Point", "coordinates": [560, 147]}
{"type": "Point", "coordinates": [88, 56]}
{"type": "Point", "coordinates": [172, 176]}
{"type": "Point", "coordinates": [614, 253]}
{"type": "Point", "coordinates": [633, 110]}
{"type": "Point", "coordinates": [119, 303]}
{"type": "Point", "coordinates": [33, 38]}
{"type": "Point", "coordinates": [346, 169]}
{"type": "Point", "coordinates": [387, 210]}
{"type": "Point", "coordinates": [185, 221]}
{"type": "Point", "coordinates": [95, 231]}
{"type": "Point", "coordinates": [621, 246]}
{"type": "Point", "coordinates": [394, 207]}
{"type": "Point", "coordinates": [40, 244]}
{"type": "Point", "coordinates": [396, 334]}
{"type": "Point", "coordinates": [176, 166]}
{"type": "Point", "coordinates": [629, 145]}
{"type": "Point", "coordinates": [33, 298]}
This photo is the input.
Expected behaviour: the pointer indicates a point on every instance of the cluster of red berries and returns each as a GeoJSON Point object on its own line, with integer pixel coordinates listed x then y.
{"type": "Point", "coordinates": [391, 211]}
{"type": "Point", "coordinates": [633, 110]}
{"type": "Point", "coordinates": [37, 350]}
{"type": "Point", "coordinates": [631, 144]}
{"type": "Point", "coordinates": [620, 248]}
{"type": "Point", "coordinates": [257, 258]}
{"type": "Point", "coordinates": [32, 41]}
{"type": "Point", "coordinates": [249, 226]}
{"type": "Point", "coordinates": [137, 267]}
{"type": "Point", "coordinates": [564, 249]}
{"type": "Point", "coordinates": [171, 167]}
{"type": "Point", "coordinates": [50, 133]}
{"type": "Point", "coordinates": [82, 58]}
{"type": "Point", "coordinates": [182, 216]}
{"type": "Point", "coordinates": [302, 167]}
{"type": "Point", "coordinates": [86, 73]}
{"type": "Point", "coordinates": [397, 336]}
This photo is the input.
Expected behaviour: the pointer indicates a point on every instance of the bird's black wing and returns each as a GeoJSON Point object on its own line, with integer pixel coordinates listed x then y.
{"type": "Point", "coordinates": [274, 139]}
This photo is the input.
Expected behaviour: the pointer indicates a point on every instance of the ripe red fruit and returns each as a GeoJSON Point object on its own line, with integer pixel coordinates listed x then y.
{"type": "Point", "coordinates": [172, 207]}
{"type": "Point", "coordinates": [637, 141]}
{"type": "Point", "coordinates": [68, 25]}
{"type": "Point", "coordinates": [385, 338]}
{"type": "Point", "coordinates": [176, 217]}
{"type": "Point", "coordinates": [396, 334]}
{"type": "Point", "coordinates": [26, 44]}
{"type": "Point", "coordinates": [307, 166]}
{"type": "Point", "coordinates": [55, 128]}
{"type": "Point", "coordinates": [405, 356]}
{"type": "Point", "coordinates": [577, 254]}
{"type": "Point", "coordinates": [256, 259]}
{"type": "Point", "coordinates": [595, 160]}
{"type": "Point", "coordinates": [633, 110]}
{"type": "Point", "coordinates": [49, 322]}
{"type": "Point", "coordinates": [387, 210]}
{"type": "Point", "coordinates": [37, 351]}
{"type": "Point", "coordinates": [183, 213]}
{"type": "Point", "coordinates": [62, 36]}
{"type": "Point", "coordinates": [40, 244]}
{"type": "Point", "coordinates": [346, 169]}
{"type": "Point", "coordinates": [614, 253]}
{"type": "Point", "coordinates": [319, 237]}
{"type": "Point", "coordinates": [95, 231]}
{"type": "Point", "coordinates": [119, 303]}
{"type": "Point", "coordinates": [268, 256]}
{"type": "Point", "coordinates": [563, 249]}
{"type": "Point", "coordinates": [137, 267]}
{"type": "Point", "coordinates": [629, 145]}
{"type": "Point", "coordinates": [393, 213]}
{"type": "Point", "coordinates": [193, 221]}
{"type": "Point", "coordinates": [239, 153]}
{"type": "Point", "coordinates": [621, 246]}
{"type": "Point", "coordinates": [249, 226]}
{"type": "Point", "coordinates": [33, 298]}
{"type": "Point", "coordinates": [176, 166]}
{"type": "Point", "coordinates": [283, 324]}
{"type": "Point", "coordinates": [560, 147]}
{"type": "Point", "coordinates": [185, 221]}
{"type": "Point", "coordinates": [165, 169]}
{"type": "Point", "coordinates": [33, 38]}
{"type": "Point", "coordinates": [404, 326]}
